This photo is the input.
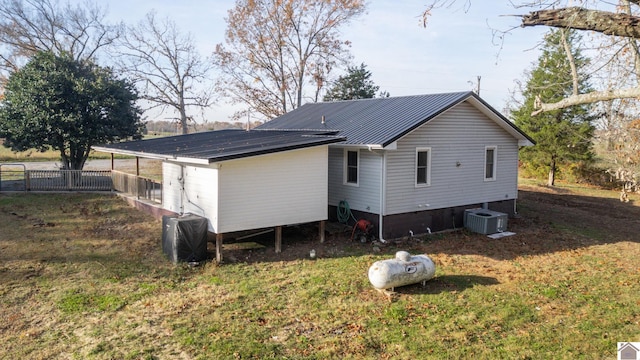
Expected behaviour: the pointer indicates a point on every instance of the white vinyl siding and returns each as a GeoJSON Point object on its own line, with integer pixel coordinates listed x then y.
{"type": "Point", "coordinates": [172, 187]}
{"type": "Point", "coordinates": [251, 193]}
{"type": "Point", "coordinates": [490, 165]}
{"type": "Point", "coordinates": [272, 190]}
{"type": "Point", "coordinates": [457, 139]}
{"type": "Point", "coordinates": [423, 166]}
{"type": "Point", "coordinates": [351, 167]}
{"type": "Point", "coordinates": [201, 192]}
{"type": "Point", "coordinates": [364, 197]}
{"type": "Point", "coordinates": [191, 189]}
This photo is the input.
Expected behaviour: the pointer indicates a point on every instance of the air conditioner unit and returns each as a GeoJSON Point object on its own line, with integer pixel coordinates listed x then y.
{"type": "Point", "coordinates": [184, 238]}
{"type": "Point", "coordinates": [485, 221]}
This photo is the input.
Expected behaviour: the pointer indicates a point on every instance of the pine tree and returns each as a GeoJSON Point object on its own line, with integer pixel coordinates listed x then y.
{"type": "Point", "coordinates": [356, 84]}
{"type": "Point", "coordinates": [562, 136]}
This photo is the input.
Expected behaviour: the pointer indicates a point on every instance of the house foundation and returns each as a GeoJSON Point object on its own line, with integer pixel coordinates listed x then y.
{"type": "Point", "coordinates": [426, 221]}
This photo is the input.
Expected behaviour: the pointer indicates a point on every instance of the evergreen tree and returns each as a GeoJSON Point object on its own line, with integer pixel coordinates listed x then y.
{"type": "Point", "coordinates": [356, 84]}
{"type": "Point", "coordinates": [67, 105]}
{"type": "Point", "coordinates": [562, 136]}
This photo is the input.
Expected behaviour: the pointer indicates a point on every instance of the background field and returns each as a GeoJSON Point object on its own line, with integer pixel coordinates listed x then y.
{"type": "Point", "coordinates": [82, 276]}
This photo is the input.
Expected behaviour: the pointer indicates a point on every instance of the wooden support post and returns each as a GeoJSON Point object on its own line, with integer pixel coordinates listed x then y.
{"type": "Point", "coordinates": [219, 248]}
{"type": "Point", "coordinates": [278, 239]}
{"type": "Point", "coordinates": [137, 166]}
{"type": "Point", "coordinates": [113, 167]}
{"type": "Point", "coordinates": [322, 223]}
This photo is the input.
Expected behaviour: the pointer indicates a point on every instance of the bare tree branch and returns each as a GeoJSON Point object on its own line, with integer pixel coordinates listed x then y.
{"type": "Point", "coordinates": [608, 23]}
{"type": "Point", "coordinates": [29, 26]}
{"type": "Point", "coordinates": [589, 98]}
{"type": "Point", "coordinates": [167, 66]}
{"type": "Point", "coordinates": [275, 49]}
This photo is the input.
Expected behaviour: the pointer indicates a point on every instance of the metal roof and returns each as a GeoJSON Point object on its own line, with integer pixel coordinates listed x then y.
{"type": "Point", "coordinates": [214, 146]}
{"type": "Point", "coordinates": [381, 121]}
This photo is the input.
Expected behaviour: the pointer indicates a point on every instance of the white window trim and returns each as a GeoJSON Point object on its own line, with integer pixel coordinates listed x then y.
{"type": "Point", "coordinates": [495, 162]}
{"type": "Point", "coordinates": [415, 175]}
{"type": "Point", "coordinates": [345, 170]}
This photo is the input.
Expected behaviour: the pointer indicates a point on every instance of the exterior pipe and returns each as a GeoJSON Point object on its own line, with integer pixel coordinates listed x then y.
{"type": "Point", "coordinates": [383, 177]}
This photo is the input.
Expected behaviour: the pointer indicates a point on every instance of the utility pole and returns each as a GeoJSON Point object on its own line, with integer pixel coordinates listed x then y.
{"type": "Point", "coordinates": [477, 84]}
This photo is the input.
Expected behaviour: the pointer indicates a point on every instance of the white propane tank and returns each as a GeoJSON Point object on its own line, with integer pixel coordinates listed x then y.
{"type": "Point", "coordinates": [403, 270]}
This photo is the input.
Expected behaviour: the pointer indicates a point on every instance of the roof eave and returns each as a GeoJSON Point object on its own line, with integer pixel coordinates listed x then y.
{"type": "Point", "coordinates": [153, 156]}
{"type": "Point", "coordinates": [362, 146]}
{"type": "Point", "coordinates": [129, 152]}
{"type": "Point", "coordinates": [206, 161]}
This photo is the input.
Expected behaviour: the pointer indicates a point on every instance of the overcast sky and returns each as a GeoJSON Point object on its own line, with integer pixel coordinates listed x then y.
{"type": "Point", "coordinates": [405, 58]}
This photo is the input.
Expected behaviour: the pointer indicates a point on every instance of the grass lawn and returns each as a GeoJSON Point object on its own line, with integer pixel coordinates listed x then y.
{"type": "Point", "coordinates": [6, 155]}
{"type": "Point", "coordinates": [82, 276]}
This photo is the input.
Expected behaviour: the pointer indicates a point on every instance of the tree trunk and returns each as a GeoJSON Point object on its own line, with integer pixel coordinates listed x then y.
{"type": "Point", "coordinates": [552, 173]}
{"type": "Point", "coordinates": [65, 160]}
{"type": "Point", "coordinates": [183, 120]}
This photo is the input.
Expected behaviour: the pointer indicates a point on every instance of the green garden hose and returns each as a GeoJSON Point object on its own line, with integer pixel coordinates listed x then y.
{"type": "Point", "coordinates": [344, 212]}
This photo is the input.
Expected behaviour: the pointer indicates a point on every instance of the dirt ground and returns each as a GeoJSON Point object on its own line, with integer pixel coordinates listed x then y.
{"type": "Point", "coordinates": [549, 220]}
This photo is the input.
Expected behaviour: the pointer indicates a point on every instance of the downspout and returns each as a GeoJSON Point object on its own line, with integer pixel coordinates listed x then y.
{"type": "Point", "coordinates": [383, 183]}
{"type": "Point", "coordinates": [182, 189]}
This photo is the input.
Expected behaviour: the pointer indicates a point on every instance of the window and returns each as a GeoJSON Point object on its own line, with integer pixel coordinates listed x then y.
{"type": "Point", "coordinates": [352, 158]}
{"type": "Point", "coordinates": [490, 159]}
{"type": "Point", "coordinates": [423, 167]}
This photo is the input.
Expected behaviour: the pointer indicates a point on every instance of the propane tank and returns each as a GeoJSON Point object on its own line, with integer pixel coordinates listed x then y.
{"type": "Point", "coordinates": [403, 270]}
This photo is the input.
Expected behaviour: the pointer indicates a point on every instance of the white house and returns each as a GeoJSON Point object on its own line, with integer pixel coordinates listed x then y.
{"type": "Point", "coordinates": [409, 164]}
{"type": "Point", "coordinates": [415, 163]}
{"type": "Point", "coordinates": [241, 180]}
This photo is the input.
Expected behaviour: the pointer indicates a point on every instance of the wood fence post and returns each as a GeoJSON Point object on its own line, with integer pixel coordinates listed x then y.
{"type": "Point", "coordinates": [219, 238]}
{"type": "Point", "coordinates": [278, 239]}
{"type": "Point", "coordinates": [321, 234]}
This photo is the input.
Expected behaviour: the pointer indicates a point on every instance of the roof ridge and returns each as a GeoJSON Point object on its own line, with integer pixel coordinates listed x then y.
{"type": "Point", "coordinates": [391, 97]}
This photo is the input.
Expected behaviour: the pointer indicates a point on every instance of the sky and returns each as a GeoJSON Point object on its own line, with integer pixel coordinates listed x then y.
{"type": "Point", "coordinates": [405, 58]}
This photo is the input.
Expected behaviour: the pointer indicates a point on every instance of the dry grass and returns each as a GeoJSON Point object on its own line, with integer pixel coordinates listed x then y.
{"type": "Point", "coordinates": [6, 155]}
{"type": "Point", "coordinates": [83, 277]}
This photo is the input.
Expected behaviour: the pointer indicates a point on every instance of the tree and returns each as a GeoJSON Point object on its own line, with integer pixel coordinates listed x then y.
{"type": "Point", "coordinates": [68, 105]}
{"type": "Point", "coordinates": [30, 26]}
{"type": "Point", "coordinates": [356, 84]}
{"type": "Point", "coordinates": [277, 48]}
{"type": "Point", "coordinates": [621, 21]}
{"type": "Point", "coordinates": [167, 66]}
{"type": "Point", "coordinates": [562, 135]}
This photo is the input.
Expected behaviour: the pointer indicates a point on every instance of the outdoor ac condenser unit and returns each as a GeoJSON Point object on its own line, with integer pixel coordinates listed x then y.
{"type": "Point", "coordinates": [485, 221]}
{"type": "Point", "coordinates": [184, 238]}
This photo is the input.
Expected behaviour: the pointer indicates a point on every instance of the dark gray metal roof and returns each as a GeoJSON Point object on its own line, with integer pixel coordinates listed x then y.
{"type": "Point", "coordinates": [380, 121]}
{"type": "Point", "coordinates": [213, 146]}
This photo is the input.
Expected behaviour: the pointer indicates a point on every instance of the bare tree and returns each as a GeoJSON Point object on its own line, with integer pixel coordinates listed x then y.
{"type": "Point", "coordinates": [29, 26]}
{"type": "Point", "coordinates": [276, 48]}
{"type": "Point", "coordinates": [620, 22]}
{"type": "Point", "coordinates": [166, 66]}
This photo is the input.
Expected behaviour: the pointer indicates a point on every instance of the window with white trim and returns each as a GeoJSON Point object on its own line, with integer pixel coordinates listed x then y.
{"type": "Point", "coordinates": [423, 166]}
{"type": "Point", "coordinates": [490, 162]}
{"type": "Point", "coordinates": [351, 166]}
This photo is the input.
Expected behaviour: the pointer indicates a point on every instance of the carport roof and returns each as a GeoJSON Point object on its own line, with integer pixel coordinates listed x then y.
{"type": "Point", "coordinates": [214, 146]}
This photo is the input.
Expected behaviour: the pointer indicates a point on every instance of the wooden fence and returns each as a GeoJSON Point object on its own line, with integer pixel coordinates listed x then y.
{"type": "Point", "coordinates": [138, 186]}
{"type": "Point", "coordinates": [68, 180]}
{"type": "Point", "coordinates": [81, 180]}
